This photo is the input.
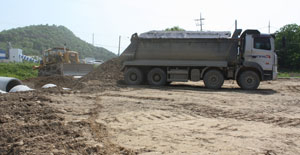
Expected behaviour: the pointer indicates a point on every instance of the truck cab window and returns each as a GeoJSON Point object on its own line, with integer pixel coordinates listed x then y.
{"type": "Point", "coordinates": [262, 43]}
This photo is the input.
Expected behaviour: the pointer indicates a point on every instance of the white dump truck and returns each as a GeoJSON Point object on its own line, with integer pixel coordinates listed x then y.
{"type": "Point", "coordinates": [160, 57]}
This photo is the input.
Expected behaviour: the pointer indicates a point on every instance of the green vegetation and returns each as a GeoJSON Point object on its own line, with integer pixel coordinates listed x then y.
{"type": "Point", "coordinates": [289, 73]}
{"type": "Point", "coordinates": [175, 28]}
{"type": "Point", "coordinates": [18, 70]}
{"type": "Point", "coordinates": [35, 39]}
{"type": "Point", "coordinates": [288, 55]}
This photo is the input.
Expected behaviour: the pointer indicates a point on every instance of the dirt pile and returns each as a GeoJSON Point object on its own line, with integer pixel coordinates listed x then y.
{"type": "Point", "coordinates": [108, 72]}
{"type": "Point", "coordinates": [61, 81]}
{"type": "Point", "coordinates": [29, 125]}
{"type": "Point", "coordinates": [106, 76]}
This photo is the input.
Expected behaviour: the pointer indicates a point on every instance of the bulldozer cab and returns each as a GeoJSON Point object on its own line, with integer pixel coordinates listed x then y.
{"type": "Point", "coordinates": [72, 57]}
{"type": "Point", "coordinates": [52, 56]}
{"type": "Point", "coordinates": [60, 55]}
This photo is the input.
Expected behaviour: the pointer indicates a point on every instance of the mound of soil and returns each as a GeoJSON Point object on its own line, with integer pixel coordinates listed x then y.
{"type": "Point", "coordinates": [29, 125]}
{"type": "Point", "coordinates": [106, 76]}
{"type": "Point", "coordinates": [60, 81]}
{"type": "Point", "coordinates": [108, 72]}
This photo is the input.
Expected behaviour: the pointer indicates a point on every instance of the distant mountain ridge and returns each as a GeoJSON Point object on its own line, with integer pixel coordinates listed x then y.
{"type": "Point", "coordinates": [34, 39]}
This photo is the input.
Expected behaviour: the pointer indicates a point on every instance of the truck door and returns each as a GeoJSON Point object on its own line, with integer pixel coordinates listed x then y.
{"type": "Point", "coordinates": [262, 51]}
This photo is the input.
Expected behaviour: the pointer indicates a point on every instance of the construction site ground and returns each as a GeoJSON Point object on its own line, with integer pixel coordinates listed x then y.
{"type": "Point", "coordinates": [183, 118]}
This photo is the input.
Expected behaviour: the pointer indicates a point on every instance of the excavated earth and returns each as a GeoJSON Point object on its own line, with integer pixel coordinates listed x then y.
{"type": "Point", "coordinates": [100, 115]}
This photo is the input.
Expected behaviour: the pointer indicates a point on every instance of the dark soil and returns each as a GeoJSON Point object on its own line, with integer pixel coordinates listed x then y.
{"type": "Point", "coordinates": [29, 125]}
{"type": "Point", "coordinates": [62, 81]}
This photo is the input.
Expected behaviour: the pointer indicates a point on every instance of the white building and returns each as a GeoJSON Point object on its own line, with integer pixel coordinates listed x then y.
{"type": "Point", "coordinates": [14, 55]}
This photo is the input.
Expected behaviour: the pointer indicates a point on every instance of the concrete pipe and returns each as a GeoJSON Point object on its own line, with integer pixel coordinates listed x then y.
{"type": "Point", "coordinates": [50, 85]}
{"type": "Point", "coordinates": [2, 92]}
{"type": "Point", "coordinates": [7, 83]}
{"type": "Point", "coordinates": [20, 88]}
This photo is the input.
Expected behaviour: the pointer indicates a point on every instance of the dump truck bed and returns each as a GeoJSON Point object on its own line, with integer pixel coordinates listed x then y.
{"type": "Point", "coordinates": [182, 49]}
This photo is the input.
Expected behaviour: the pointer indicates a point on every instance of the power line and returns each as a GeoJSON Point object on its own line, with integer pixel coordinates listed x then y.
{"type": "Point", "coordinates": [111, 46]}
{"type": "Point", "coordinates": [200, 21]}
{"type": "Point", "coordinates": [93, 39]}
{"type": "Point", "coordinates": [235, 25]}
{"type": "Point", "coordinates": [269, 27]}
{"type": "Point", "coordinates": [119, 45]}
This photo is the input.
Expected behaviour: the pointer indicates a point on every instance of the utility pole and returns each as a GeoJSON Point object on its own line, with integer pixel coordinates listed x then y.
{"type": "Point", "coordinates": [269, 27]}
{"type": "Point", "coordinates": [93, 39]}
{"type": "Point", "coordinates": [235, 24]}
{"type": "Point", "coordinates": [119, 46]}
{"type": "Point", "coordinates": [200, 22]}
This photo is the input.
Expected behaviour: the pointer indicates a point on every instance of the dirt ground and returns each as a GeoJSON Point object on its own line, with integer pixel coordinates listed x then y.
{"type": "Point", "coordinates": [106, 117]}
{"type": "Point", "coordinates": [183, 118]}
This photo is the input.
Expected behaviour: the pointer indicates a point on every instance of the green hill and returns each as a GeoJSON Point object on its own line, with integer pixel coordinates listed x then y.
{"type": "Point", "coordinates": [34, 39]}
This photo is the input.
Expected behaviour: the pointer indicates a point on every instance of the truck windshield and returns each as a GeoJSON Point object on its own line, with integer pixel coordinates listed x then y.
{"type": "Point", "coordinates": [262, 43]}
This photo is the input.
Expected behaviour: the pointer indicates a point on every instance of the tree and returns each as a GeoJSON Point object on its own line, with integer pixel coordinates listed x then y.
{"type": "Point", "coordinates": [288, 56]}
{"type": "Point", "coordinates": [175, 28]}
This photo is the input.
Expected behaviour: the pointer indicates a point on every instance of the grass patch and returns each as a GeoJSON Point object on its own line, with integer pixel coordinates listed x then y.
{"type": "Point", "coordinates": [289, 74]}
{"type": "Point", "coordinates": [283, 75]}
{"type": "Point", "coordinates": [18, 70]}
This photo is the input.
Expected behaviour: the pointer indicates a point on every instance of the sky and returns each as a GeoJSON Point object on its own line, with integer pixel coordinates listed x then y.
{"type": "Point", "coordinates": [109, 19]}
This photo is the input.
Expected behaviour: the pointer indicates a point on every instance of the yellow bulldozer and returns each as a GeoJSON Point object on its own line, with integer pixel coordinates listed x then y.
{"type": "Point", "coordinates": [62, 61]}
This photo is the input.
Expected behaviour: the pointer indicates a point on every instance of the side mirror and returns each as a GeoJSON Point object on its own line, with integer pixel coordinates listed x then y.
{"type": "Point", "coordinates": [283, 42]}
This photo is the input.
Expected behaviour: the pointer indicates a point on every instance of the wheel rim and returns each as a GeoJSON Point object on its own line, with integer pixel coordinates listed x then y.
{"type": "Point", "coordinates": [214, 80]}
{"type": "Point", "coordinates": [133, 77]}
{"type": "Point", "coordinates": [156, 77]}
{"type": "Point", "coordinates": [250, 81]}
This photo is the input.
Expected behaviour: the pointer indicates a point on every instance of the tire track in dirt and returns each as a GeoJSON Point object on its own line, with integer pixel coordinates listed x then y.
{"type": "Point", "coordinates": [139, 97]}
{"type": "Point", "coordinates": [155, 117]}
{"type": "Point", "coordinates": [294, 89]}
{"type": "Point", "coordinates": [210, 112]}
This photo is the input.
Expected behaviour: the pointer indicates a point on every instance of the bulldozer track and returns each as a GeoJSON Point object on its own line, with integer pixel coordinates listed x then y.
{"type": "Point", "coordinates": [148, 119]}
{"type": "Point", "coordinates": [209, 112]}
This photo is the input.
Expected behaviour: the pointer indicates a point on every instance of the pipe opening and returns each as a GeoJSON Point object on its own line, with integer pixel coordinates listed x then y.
{"type": "Point", "coordinates": [11, 84]}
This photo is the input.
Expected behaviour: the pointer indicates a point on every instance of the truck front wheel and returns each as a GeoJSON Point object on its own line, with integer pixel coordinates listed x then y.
{"type": "Point", "coordinates": [133, 76]}
{"type": "Point", "coordinates": [213, 79]}
{"type": "Point", "coordinates": [248, 80]}
{"type": "Point", "coordinates": [157, 77]}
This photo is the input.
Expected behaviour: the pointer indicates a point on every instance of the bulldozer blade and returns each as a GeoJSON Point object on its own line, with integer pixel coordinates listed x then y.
{"type": "Point", "coordinates": [77, 69]}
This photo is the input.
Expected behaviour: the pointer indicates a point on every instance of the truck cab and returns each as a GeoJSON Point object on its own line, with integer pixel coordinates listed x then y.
{"type": "Point", "coordinates": [259, 52]}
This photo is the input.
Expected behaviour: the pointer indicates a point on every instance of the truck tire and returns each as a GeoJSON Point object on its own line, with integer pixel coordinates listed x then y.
{"type": "Point", "coordinates": [157, 77]}
{"type": "Point", "coordinates": [249, 80]}
{"type": "Point", "coordinates": [133, 76]}
{"type": "Point", "coordinates": [213, 79]}
{"type": "Point", "coordinates": [238, 83]}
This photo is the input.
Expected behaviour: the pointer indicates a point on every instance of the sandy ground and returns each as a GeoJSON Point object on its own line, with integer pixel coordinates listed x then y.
{"type": "Point", "coordinates": [99, 115]}
{"type": "Point", "coordinates": [186, 118]}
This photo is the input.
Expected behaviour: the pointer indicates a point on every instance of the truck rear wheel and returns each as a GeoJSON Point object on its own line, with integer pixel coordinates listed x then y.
{"type": "Point", "coordinates": [213, 79]}
{"type": "Point", "coordinates": [133, 76]}
{"type": "Point", "coordinates": [157, 77]}
{"type": "Point", "coordinates": [249, 80]}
